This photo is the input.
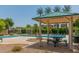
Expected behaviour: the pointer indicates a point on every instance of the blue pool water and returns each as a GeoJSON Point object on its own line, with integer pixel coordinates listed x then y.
{"type": "Point", "coordinates": [46, 36]}
{"type": "Point", "coordinates": [43, 36]}
{"type": "Point", "coordinates": [7, 36]}
{"type": "Point", "coordinates": [52, 36]}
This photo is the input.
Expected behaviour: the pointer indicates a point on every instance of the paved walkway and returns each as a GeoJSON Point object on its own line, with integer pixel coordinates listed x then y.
{"type": "Point", "coordinates": [31, 46]}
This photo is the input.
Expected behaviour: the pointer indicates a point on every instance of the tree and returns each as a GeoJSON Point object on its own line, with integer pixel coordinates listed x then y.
{"type": "Point", "coordinates": [2, 24]}
{"type": "Point", "coordinates": [76, 23]}
{"type": "Point", "coordinates": [35, 28]}
{"type": "Point", "coordinates": [44, 29]}
{"type": "Point", "coordinates": [66, 8]}
{"type": "Point", "coordinates": [76, 27]}
{"type": "Point", "coordinates": [23, 30]}
{"type": "Point", "coordinates": [57, 9]}
{"type": "Point", "coordinates": [9, 22]}
{"type": "Point", "coordinates": [28, 29]}
{"type": "Point", "coordinates": [40, 11]}
{"type": "Point", "coordinates": [48, 10]}
{"type": "Point", "coordinates": [63, 30]}
{"type": "Point", "coordinates": [76, 31]}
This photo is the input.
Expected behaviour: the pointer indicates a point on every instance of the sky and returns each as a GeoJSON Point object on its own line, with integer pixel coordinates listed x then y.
{"type": "Point", "coordinates": [23, 14]}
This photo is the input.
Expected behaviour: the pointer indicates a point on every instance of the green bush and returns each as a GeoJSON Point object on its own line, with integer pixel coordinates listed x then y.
{"type": "Point", "coordinates": [23, 31]}
{"type": "Point", "coordinates": [60, 31]}
{"type": "Point", "coordinates": [76, 40]}
{"type": "Point", "coordinates": [65, 41]}
{"type": "Point", "coordinates": [17, 49]}
{"type": "Point", "coordinates": [54, 30]}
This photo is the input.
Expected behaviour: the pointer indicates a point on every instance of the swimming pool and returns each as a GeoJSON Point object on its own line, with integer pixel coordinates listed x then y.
{"type": "Point", "coordinates": [7, 36]}
{"type": "Point", "coordinates": [54, 36]}
{"type": "Point", "coordinates": [51, 36]}
{"type": "Point", "coordinates": [43, 36]}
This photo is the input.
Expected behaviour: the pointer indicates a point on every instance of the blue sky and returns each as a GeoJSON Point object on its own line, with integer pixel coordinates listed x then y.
{"type": "Point", "coordinates": [23, 14]}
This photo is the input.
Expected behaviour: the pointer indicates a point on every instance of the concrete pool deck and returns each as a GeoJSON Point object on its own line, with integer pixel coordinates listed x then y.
{"type": "Point", "coordinates": [30, 46]}
{"type": "Point", "coordinates": [21, 40]}
{"type": "Point", "coordinates": [16, 40]}
{"type": "Point", "coordinates": [33, 47]}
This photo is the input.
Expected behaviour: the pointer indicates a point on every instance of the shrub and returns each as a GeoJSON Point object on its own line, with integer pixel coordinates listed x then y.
{"type": "Point", "coordinates": [65, 41]}
{"type": "Point", "coordinates": [76, 40]}
{"type": "Point", "coordinates": [23, 31]}
{"type": "Point", "coordinates": [17, 49]}
{"type": "Point", "coordinates": [54, 30]}
{"type": "Point", "coordinates": [60, 30]}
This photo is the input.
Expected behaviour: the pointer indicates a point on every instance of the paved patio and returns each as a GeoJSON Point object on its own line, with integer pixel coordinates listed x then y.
{"type": "Point", "coordinates": [34, 47]}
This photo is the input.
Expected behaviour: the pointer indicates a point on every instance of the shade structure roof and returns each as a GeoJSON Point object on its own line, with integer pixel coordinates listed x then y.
{"type": "Point", "coordinates": [57, 17]}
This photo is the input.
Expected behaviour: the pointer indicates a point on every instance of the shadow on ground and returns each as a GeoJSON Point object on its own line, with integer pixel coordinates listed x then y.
{"type": "Point", "coordinates": [50, 48]}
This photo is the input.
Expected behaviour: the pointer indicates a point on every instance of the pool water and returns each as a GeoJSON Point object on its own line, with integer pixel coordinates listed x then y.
{"type": "Point", "coordinates": [52, 36]}
{"type": "Point", "coordinates": [7, 36]}
{"type": "Point", "coordinates": [46, 36]}
{"type": "Point", "coordinates": [43, 36]}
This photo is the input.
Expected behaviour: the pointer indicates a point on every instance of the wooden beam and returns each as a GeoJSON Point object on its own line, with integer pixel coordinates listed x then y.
{"type": "Point", "coordinates": [71, 34]}
{"type": "Point", "coordinates": [40, 34]}
{"type": "Point", "coordinates": [48, 32]}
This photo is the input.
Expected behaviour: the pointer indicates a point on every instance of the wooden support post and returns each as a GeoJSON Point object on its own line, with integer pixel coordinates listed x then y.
{"type": "Point", "coordinates": [70, 35]}
{"type": "Point", "coordinates": [70, 32]}
{"type": "Point", "coordinates": [48, 33]}
{"type": "Point", "coordinates": [40, 33]}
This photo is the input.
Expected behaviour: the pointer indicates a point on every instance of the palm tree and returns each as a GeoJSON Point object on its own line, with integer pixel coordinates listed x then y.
{"type": "Point", "coordinates": [57, 9]}
{"type": "Point", "coordinates": [9, 23]}
{"type": "Point", "coordinates": [28, 29]}
{"type": "Point", "coordinates": [40, 11]}
{"type": "Point", "coordinates": [48, 10]}
{"type": "Point", "coordinates": [66, 8]}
